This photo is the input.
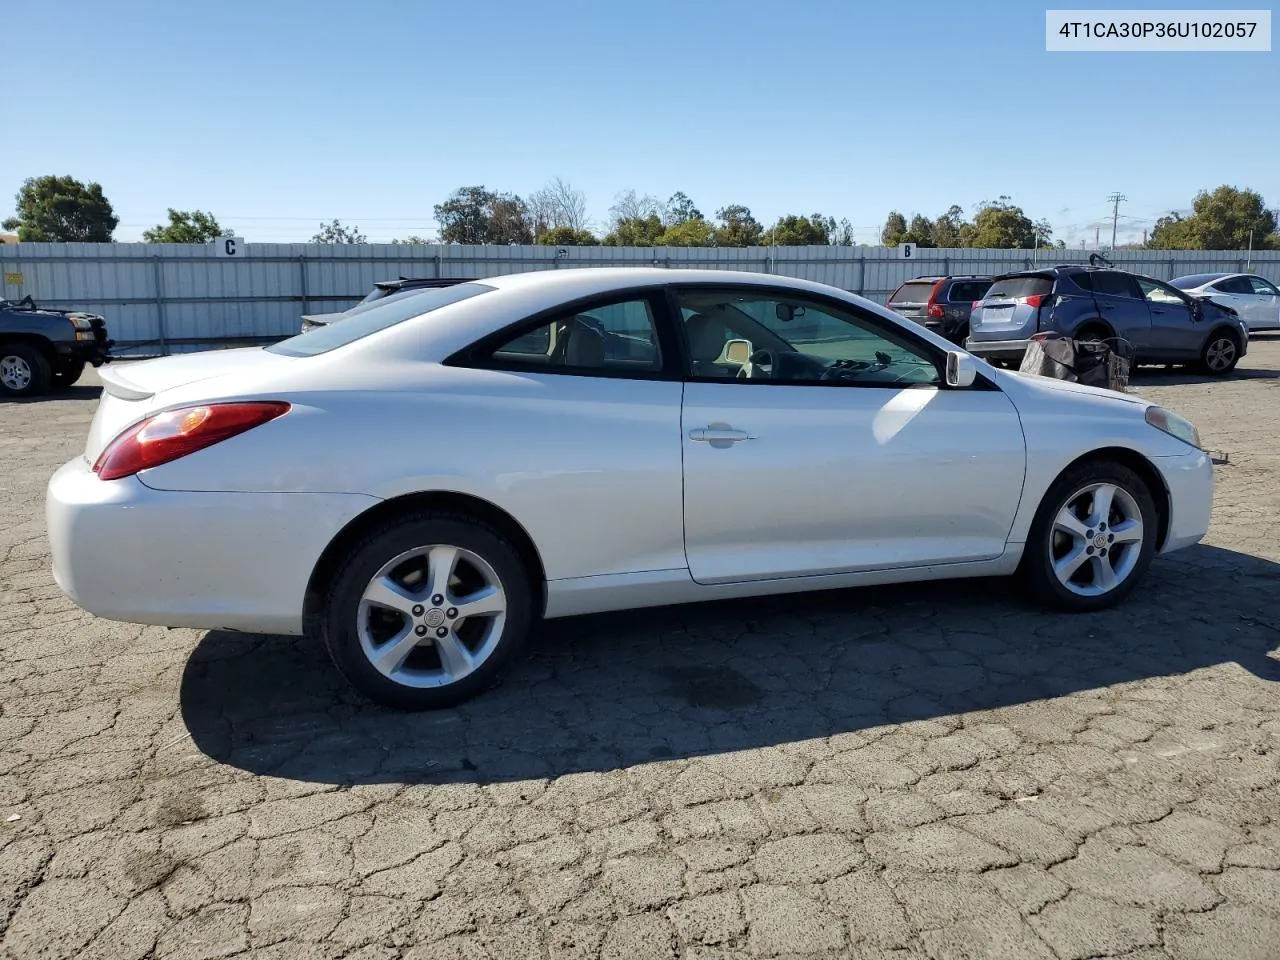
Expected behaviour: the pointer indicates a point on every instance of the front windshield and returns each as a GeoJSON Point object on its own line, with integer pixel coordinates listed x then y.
{"type": "Point", "coordinates": [360, 322]}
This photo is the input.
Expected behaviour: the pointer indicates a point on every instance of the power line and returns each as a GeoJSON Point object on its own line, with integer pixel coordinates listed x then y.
{"type": "Point", "coordinates": [1115, 200]}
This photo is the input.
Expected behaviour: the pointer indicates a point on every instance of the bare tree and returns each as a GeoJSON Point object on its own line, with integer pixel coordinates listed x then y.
{"type": "Point", "coordinates": [558, 204]}
{"type": "Point", "coordinates": [628, 207]}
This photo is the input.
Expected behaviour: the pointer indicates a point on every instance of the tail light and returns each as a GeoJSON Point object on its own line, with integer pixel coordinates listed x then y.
{"type": "Point", "coordinates": [934, 309]}
{"type": "Point", "coordinates": [975, 305]}
{"type": "Point", "coordinates": [176, 433]}
{"type": "Point", "coordinates": [1035, 299]}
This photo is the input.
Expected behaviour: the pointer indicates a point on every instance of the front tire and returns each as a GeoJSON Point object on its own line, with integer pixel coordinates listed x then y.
{"type": "Point", "coordinates": [24, 372]}
{"type": "Point", "coordinates": [1092, 538]}
{"type": "Point", "coordinates": [1220, 354]}
{"type": "Point", "coordinates": [66, 375]}
{"type": "Point", "coordinates": [426, 610]}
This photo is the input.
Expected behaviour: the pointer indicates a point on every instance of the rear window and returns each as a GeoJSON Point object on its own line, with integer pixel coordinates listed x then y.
{"type": "Point", "coordinates": [914, 291]}
{"type": "Point", "coordinates": [966, 291]}
{"type": "Point", "coordinates": [1195, 280]}
{"type": "Point", "coordinates": [1014, 288]}
{"type": "Point", "coordinates": [378, 315]}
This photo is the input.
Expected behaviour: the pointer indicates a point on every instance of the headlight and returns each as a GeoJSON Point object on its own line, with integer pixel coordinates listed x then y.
{"type": "Point", "coordinates": [80, 321]}
{"type": "Point", "coordinates": [1173, 425]}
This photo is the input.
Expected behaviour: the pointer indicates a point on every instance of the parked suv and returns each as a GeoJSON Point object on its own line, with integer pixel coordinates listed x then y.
{"type": "Point", "coordinates": [940, 303]}
{"type": "Point", "coordinates": [381, 290]}
{"type": "Point", "coordinates": [42, 348]}
{"type": "Point", "coordinates": [1155, 321]}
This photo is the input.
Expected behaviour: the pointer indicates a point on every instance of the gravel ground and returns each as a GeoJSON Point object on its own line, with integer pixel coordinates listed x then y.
{"type": "Point", "coordinates": [937, 771]}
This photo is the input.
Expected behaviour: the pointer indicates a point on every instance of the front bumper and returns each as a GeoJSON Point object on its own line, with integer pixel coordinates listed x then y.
{"type": "Point", "coordinates": [241, 561]}
{"type": "Point", "coordinates": [997, 349]}
{"type": "Point", "coordinates": [1189, 481]}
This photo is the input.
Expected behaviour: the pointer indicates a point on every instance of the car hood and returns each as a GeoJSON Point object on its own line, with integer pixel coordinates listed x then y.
{"type": "Point", "coordinates": [1052, 386]}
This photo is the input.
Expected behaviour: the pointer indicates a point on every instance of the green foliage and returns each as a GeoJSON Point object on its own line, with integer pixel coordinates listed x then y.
{"type": "Point", "coordinates": [1221, 220]}
{"type": "Point", "coordinates": [997, 224]}
{"type": "Point", "coordinates": [62, 210]}
{"type": "Point", "coordinates": [185, 226]}
{"type": "Point", "coordinates": [476, 215]}
{"type": "Point", "coordinates": [335, 232]}
{"type": "Point", "coordinates": [843, 235]}
{"type": "Point", "coordinates": [415, 239]}
{"type": "Point", "coordinates": [948, 229]}
{"type": "Point", "coordinates": [895, 229]}
{"type": "Point", "coordinates": [797, 231]}
{"type": "Point", "coordinates": [680, 209]}
{"type": "Point", "coordinates": [635, 232]}
{"type": "Point", "coordinates": [567, 237]}
{"type": "Point", "coordinates": [738, 228]}
{"type": "Point", "coordinates": [695, 232]}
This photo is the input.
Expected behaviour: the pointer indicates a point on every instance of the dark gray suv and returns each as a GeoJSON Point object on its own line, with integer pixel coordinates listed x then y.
{"type": "Point", "coordinates": [940, 303]}
{"type": "Point", "coordinates": [1156, 322]}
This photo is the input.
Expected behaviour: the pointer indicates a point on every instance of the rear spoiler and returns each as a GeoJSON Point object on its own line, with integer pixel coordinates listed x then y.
{"type": "Point", "coordinates": [118, 385]}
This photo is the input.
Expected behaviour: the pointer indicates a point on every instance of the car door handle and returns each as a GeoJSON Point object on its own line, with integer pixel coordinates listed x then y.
{"type": "Point", "coordinates": [718, 435]}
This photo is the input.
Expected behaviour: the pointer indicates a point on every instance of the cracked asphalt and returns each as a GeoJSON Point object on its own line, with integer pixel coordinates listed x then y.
{"type": "Point", "coordinates": [927, 771]}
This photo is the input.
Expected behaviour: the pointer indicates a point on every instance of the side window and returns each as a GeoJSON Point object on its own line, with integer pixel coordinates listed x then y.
{"type": "Point", "coordinates": [1159, 293]}
{"type": "Point", "coordinates": [1263, 288]}
{"type": "Point", "coordinates": [745, 335]}
{"type": "Point", "coordinates": [1115, 284]}
{"type": "Point", "coordinates": [1239, 286]}
{"type": "Point", "coordinates": [966, 291]}
{"type": "Point", "coordinates": [614, 338]}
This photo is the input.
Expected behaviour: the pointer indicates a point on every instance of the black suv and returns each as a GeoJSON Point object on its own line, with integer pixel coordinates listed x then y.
{"type": "Point", "coordinates": [1148, 320]}
{"type": "Point", "coordinates": [42, 348]}
{"type": "Point", "coordinates": [381, 290]}
{"type": "Point", "coordinates": [940, 303]}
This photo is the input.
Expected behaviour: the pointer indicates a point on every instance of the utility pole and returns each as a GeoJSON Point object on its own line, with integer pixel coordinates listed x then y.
{"type": "Point", "coordinates": [1115, 200]}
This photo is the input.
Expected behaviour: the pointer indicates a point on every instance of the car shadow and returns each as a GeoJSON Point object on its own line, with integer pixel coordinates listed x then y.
{"type": "Point", "coordinates": [79, 391]}
{"type": "Point", "coordinates": [1175, 376]}
{"type": "Point", "coordinates": [610, 691]}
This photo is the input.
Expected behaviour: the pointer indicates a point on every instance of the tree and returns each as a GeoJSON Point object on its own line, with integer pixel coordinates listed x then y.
{"type": "Point", "coordinates": [508, 220]}
{"type": "Point", "coordinates": [738, 228]}
{"type": "Point", "coordinates": [843, 236]}
{"type": "Point", "coordinates": [694, 232]}
{"type": "Point", "coordinates": [479, 216]}
{"type": "Point", "coordinates": [920, 232]}
{"type": "Point", "coordinates": [185, 226]}
{"type": "Point", "coordinates": [567, 236]}
{"type": "Point", "coordinates": [895, 228]}
{"type": "Point", "coordinates": [797, 231]}
{"type": "Point", "coordinates": [414, 239]}
{"type": "Point", "coordinates": [635, 221]}
{"type": "Point", "coordinates": [1221, 220]}
{"type": "Point", "coordinates": [336, 232]}
{"type": "Point", "coordinates": [999, 225]}
{"type": "Point", "coordinates": [62, 210]}
{"type": "Point", "coordinates": [558, 205]}
{"type": "Point", "coordinates": [948, 229]}
{"type": "Point", "coordinates": [680, 209]}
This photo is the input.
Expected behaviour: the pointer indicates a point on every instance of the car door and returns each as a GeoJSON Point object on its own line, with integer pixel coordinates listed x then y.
{"type": "Point", "coordinates": [1122, 306]}
{"type": "Point", "coordinates": [1175, 331]}
{"type": "Point", "coordinates": [1234, 292]}
{"type": "Point", "coordinates": [1265, 305]}
{"type": "Point", "coordinates": [836, 447]}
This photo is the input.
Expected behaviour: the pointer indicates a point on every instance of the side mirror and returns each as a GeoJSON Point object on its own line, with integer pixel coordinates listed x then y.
{"type": "Point", "coordinates": [962, 369]}
{"type": "Point", "coordinates": [736, 351]}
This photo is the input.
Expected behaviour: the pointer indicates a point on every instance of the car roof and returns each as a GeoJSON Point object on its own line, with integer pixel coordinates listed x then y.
{"type": "Point", "coordinates": [1202, 278]}
{"type": "Point", "coordinates": [574, 282]}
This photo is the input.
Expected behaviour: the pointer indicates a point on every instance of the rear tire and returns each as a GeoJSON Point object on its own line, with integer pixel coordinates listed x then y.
{"type": "Point", "coordinates": [395, 615]}
{"type": "Point", "coordinates": [1220, 354]}
{"type": "Point", "coordinates": [66, 375]}
{"type": "Point", "coordinates": [1075, 558]}
{"type": "Point", "coordinates": [24, 372]}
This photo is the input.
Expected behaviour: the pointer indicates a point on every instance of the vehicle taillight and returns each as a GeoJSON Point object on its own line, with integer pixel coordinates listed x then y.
{"type": "Point", "coordinates": [1035, 299]}
{"type": "Point", "coordinates": [934, 309]}
{"type": "Point", "coordinates": [173, 434]}
{"type": "Point", "coordinates": [975, 305]}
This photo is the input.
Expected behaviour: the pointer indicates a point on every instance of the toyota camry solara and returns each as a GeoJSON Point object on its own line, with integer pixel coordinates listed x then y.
{"type": "Point", "coordinates": [420, 482]}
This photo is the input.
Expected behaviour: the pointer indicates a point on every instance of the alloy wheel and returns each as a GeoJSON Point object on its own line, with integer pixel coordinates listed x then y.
{"type": "Point", "coordinates": [431, 616]}
{"type": "Point", "coordinates": [1219, 354]}
{"type": "Point", "coordinates": [15, 372]}
{"type": "Point", "coordinates": [1096, 540]}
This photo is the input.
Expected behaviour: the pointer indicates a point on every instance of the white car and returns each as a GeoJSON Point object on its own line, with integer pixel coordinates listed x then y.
{"type": "Point", "coordinates": [1255, 299]}
{"type": "Point", "coordinates": [420, 482]}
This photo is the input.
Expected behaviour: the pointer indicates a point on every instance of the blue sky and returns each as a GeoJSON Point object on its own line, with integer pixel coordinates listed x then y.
{"type": "Point", "coordinates": [277, 114]}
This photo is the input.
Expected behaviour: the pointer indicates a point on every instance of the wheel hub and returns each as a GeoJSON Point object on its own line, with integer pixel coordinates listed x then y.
{"type": "Point", "coordinates": [435, 617]}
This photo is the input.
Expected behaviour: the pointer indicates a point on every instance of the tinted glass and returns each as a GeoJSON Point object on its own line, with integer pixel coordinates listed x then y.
{"type": "Point", "coordinates": [1234, 285]}
{"type": "Point", "coordinates": [614, 338]}
{"type": "Point", "coordinates": [796, 340]}
{"type": "Point", "coordinates": [1013, 288]}
{"type": "Point", "coordinates": [1195, 280]}
{"type": "Point", "coordinates": [1115, 284]}
{"type": "Point", "coordinates": [1263, 287]}
{"type": "Point", "coordinates": [966, 291]}
{"type": "Point", "coordinates": [379, 315]}
{"type": "Point", "coordinates": [914, 291]}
